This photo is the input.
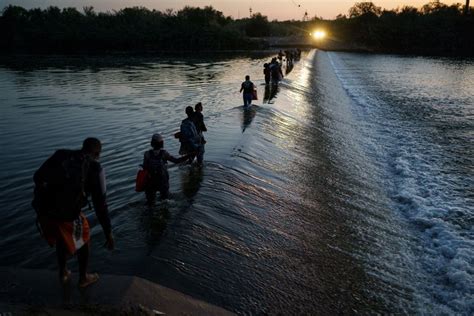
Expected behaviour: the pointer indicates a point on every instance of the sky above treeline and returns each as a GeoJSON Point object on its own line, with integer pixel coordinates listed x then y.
{"type": "Point", "coordinates": [273, 9]}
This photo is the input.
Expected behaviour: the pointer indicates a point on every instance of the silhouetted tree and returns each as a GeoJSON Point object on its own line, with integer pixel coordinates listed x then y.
{"type": "Point", "coordinates": [257, 26]}
{"type": "Point", "coordinates": [364, 8]}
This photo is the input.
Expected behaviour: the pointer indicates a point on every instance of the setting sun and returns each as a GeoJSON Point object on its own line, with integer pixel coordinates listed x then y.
{"type": "Point", "coordinates": [319, 34]}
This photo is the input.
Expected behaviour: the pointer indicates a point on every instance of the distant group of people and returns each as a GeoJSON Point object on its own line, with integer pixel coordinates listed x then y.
{"type": "Point", "coordinates": [65, 180]}
{"type": "Point", "coordinates": [273, 70]}
{"type": "Point", "coordinates": [292, 55]}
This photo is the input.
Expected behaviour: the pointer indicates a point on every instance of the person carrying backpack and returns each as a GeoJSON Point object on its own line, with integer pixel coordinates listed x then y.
{"type": "Point", "coordinates": [155, 163]}
{"type": "Point", "coordinates": [62, 185]}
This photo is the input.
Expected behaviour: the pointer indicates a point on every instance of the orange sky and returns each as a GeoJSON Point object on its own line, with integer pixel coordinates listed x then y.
{"type": "Point", "coordinates": [274, 9]}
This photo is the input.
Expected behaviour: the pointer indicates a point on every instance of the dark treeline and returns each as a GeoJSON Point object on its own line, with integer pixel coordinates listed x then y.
{"type": "Point", "coordinates": [130, 29]}
{"type": "Point", "coordinates": [434, 29]}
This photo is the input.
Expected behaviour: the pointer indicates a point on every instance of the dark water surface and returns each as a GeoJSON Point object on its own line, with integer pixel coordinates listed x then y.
{"type": "Point", "coordinates": [349, 188]}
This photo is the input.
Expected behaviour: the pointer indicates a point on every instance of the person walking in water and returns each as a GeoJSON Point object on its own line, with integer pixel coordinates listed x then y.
{"type": "Point", "coordinates": [276, 72]}
{"type": "Point", "coordinates": [155, 163]}
{"type": "Point", "coordinates": [266, 72]}
{"type": "Point", "coordinates": [198, 120]}
{"type": "Point", "coordinates": [62, 185]}
{"type": "Point", "coordinates": [247, 87]}
{"type": "Point", "coordinates": [190, 139]}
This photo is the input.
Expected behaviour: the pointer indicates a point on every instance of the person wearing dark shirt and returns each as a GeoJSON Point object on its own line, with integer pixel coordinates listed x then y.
{"type": "Point", "coordinates": [247, 87]}
{"type": "Point", "coordinates": [276, 72]}
{"type": "Point", "coordinates": [67, 228]}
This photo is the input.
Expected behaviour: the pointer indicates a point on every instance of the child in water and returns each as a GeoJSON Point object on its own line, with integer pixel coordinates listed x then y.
{"type": "Point", "coordinates": [155, 162]}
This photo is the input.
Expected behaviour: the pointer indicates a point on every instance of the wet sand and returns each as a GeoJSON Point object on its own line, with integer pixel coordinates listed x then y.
{"type": "Point", "coordinates": [39, 292]}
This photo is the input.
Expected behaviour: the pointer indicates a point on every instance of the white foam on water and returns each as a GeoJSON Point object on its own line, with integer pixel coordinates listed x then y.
{"type": "Point", "coordinates": [429, 191]}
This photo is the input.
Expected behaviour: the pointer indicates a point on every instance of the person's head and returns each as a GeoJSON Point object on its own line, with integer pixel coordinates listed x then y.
{"type": "Point", "coordinates": [92, 147]}
{"type": "Point", "coordinates": [198, 107]}
{"type": "Point", "coordinates": [189, 111]}
{"type": "Point", "coordinates": [157, 141]}
{"type": "Point", "coordinates": [247, 77]}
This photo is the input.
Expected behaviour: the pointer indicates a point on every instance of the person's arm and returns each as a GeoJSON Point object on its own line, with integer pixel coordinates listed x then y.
{"type": "Point", "coordinates": [241, 87]}
{"type": "Point", "coordinates": [97, 189]}
{"type": "Point", "coordinates": [171, 158]}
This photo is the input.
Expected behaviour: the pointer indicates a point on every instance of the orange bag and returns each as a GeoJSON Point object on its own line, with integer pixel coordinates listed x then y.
{"type": "Point", "coordinates": [140, 182]}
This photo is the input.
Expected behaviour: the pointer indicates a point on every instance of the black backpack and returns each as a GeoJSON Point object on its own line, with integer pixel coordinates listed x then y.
{"type": "Point", "coordinates": [60, 185]}
{"type": "Point", "coordinates": [157, 164]}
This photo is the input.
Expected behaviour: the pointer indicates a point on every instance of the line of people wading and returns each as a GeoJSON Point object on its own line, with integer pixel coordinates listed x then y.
{"type": "Point", "coordinates": [65, 180]}
{"type": "Point", "coordinates": [273, 71]}
{"type": "Point", "coordinates": [273, 74]}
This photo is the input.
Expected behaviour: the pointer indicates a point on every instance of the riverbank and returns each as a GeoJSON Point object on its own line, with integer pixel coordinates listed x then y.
{"type": "Point", "coordinates": [36, 292]}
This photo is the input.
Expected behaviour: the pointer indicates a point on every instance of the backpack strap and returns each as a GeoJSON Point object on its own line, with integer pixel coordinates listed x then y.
{"type": "Point", "coordinates": [85, 163]}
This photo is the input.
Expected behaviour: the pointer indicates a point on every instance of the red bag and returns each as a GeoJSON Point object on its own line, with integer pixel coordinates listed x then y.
{"type": "Point", "coordinates": [254, 95]}
{"type": "Point", "coordinates": [140, 182]}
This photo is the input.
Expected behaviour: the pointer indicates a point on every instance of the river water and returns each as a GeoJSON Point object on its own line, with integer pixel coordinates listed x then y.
{"type": "Point", "coordinates": [346, 189]}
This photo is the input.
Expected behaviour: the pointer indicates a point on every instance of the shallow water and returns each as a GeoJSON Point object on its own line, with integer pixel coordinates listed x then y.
{"type": "Point", "coordinates": [347, 188]}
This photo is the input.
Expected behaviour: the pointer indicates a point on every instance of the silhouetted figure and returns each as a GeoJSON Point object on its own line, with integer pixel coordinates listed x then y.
{"type": "Point", "coordinates": [247, 87]}
{"type": "Point", "coordinates": [289, 68]}
{"type": "Point", "coordinates": [155, 163]}
{"type": "Point", "coordinates": [289, 58]}
{"type": "Point", "coordinates": [276, 72]}
{"type": "Point", "coordinates": [298, 54]}
{"type": "Point", "coordinates": [191, 143]}
{"type": "Point", "coordinates": [198, 120]}
{"type": "Point", "coordinates": [62, 185]}
{"type": "Point", "coordinates": [266, 73]}
{"type": "Point", "coordinates": [280, 56]}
